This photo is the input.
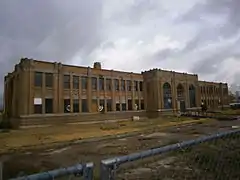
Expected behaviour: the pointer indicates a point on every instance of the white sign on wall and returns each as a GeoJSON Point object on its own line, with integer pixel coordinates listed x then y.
{"type": "Point", "coordinates": [37, 101]}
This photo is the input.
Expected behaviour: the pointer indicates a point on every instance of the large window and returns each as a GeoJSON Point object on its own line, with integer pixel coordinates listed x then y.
{"type": "Point", "coordinates": [48, 105]}
{"type": "Point", "coordinates": [136, 85]}
{"type": "Point", "coordinates": [75, 82]}
{"type": "Point", "coordinates": [101, 84]}
{"type": "Point", "coordinates": [75, 105]}
{"type": "Point", "coordinates": [84, 82]}
{"type": "Point", "coordinates": [167, 96]}
{"type": "Point", "coordinates": [116, 84]}
{"type": "Point", "coordinates": [38, 79]}
{"type": "Point", "coordinates": [141, 86]}
{"type": "Point", "coordinates": [123, 85]}
{"type": "Point", "coordinates": [66, 81]}
{"type": "Point", "coordinates": [129, 85]}
{"type": "Point", "coordinates": [84, 105]}
{"type": "Point", "coordinates": [94, 83]}
{"type": "Point", "coordinates": [49, 80]}
{"type": "Point", "coordinates": [37, 105]}
{"type": "Point", "coordinates": [67, 106]}
{"type": "Point", "coordinates": [109, 84]}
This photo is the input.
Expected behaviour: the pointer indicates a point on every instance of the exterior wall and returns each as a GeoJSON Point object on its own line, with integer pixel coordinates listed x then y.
{"type": "Point", "coordinates": [214, 94]}
{"type": "Point", "coordinates": [20, 89]}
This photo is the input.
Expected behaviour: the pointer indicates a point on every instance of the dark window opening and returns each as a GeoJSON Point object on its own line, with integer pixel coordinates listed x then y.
{"type": "Point", "coordinates": [142, 105]}
{"type": "Point", "coordinates": [136, 104]}
{"type": "Point", "coordinates": [129, 86]}
{"type": "Point", "coordinates": [37, 109]}
{"type": "Point", "coordinates": [109, 105]}
{"type": "Point", "coordinates": [123, 85]}
{"type": "Point", "coordinates": [84, 82]}
{"type": "Point", "coordinates": [38, 79]}
{"type": "Point", "coordinates": [101, 84]}
{"type": "Point", "coordinates": [136, 85]}
{"type": "Point", "coordinates": [66, 81]}
{"type": "Point", "coordinates": [94, 83]}
{"type": "Point", "coordinates": [84, 105]}
{"type": "Point", "coordinates": [109, 84]}
{"type": "Point", "coordinates": [116, 84]}
{"type": "Point", "coordinates": [141, 85]}
{"type": "Point", "coordinates": [130, 105]}
{"type": "Point", "coordinates": [49, 79]}
{"type": "Point", "coordinates": [75, 105]}
{"type": "Point", "coordinates": [124, 107]}
{"type": "Point", "coordinates": [48, 105]}
{"type": "Point", "coordinates": [67, 106]}
{"type": "Point", "coordinates": [75, 82]}
{"type": "Point", "coordinates": [117, 106]}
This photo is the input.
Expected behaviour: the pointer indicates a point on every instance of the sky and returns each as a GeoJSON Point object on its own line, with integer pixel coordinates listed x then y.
{"type": "Point", "coordinates": [195, 36]}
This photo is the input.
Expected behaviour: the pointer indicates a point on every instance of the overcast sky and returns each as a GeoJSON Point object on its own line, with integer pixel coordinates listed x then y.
{"type": "Point", "coordinates": [197, 36]}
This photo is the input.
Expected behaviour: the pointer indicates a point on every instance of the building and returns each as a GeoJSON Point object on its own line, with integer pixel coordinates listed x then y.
{"type": "Point", "coordinates": [238, 96]}
{"type": "Point", "coordinates": [45, 88]}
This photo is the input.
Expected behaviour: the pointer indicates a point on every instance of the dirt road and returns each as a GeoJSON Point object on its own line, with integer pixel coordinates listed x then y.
{"type": "Point", "coordinates": [35, 160]}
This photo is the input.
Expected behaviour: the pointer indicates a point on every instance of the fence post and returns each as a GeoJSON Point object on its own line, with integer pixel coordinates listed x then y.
{"type": "Point", "coordinates": [106, 171]}
{"type": "Point", "coordinates": [1, 170]}
{"type": "Point", "coordinates": [88, 171]}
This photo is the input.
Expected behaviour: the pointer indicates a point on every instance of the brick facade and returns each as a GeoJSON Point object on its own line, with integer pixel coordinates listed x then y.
{"type": "Point", "coordinates": [38, 87]}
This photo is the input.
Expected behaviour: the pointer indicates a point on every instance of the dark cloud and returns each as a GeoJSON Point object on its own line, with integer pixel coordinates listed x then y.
{"type": "Point", "coordinates": [49, 30]}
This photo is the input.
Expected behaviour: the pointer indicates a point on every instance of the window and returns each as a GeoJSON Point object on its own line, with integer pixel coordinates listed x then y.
{"type": "Point", "coordinates": [66, 81]}
{"type": "Point", "coordinates": [116, 84]}
{"type": "Point", "coordinates": [124, 107]}
{"type": "Point", "coordinates": [84, 82]}
{"type": "Point", "coordinates": [136, 85]}
{"type": "Point", "coordinates": [136, 104]}
{"type": "Point", "coordinates": [129, 86]}
{"type": "Point", "coordinates": [75, 105]}
{"type": "Point", "coordinates": [109, 84]}
{"type": "Point", "coordinates": [37, 105]}
{"type": "Point", "coordinates": [141, 85]}
{"type": "Point", "coordinates": [49, 79]}
{"type": "Point", "coordinates": [84, 105]}
{"type": "Point", "coordinates": [130, 105]}
{"type": "Point", "coordinates": [48, 105]}
{"type": "Point", "coordinates": [123, 85]}
{"type": "Point", "coordinates": [102, 103]}
{"type": "Point", "coordinates": [67, 106]}
{"type": "Point", "coordinates": [75, 82]}
{"type": "Point", "coordinates": [109, 105]}
{"type": "Point", "coordinates": [94, 83]}
{"type": "Point", "coordinates": [117, 106]}
{"type": "Point", "coordinates": [101, 84]}
{"type": "Point", "coordinates": [38, 79]}
{"type": "Point", "coordinates": [142, 104]}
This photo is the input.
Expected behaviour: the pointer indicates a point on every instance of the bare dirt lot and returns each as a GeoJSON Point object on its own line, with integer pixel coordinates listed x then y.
{"type": "Point", "coordinates": [44, 157]}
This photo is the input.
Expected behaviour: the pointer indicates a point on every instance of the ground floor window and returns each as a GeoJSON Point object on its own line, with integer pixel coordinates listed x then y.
{"type": "Point", "coordinates": [67, 106]}
{"type": "Point", "coordinates": [109, 105]}
{"type": "Point", "coordinates": [102, 104]}
{"type": "Point", "coordinates": [37, 109]}
{"type": "Point", "coordinates": [48, 105]}
{"type": "Point", "coordinates": [130, 105]}
{"type": "Point", "coordinates": [75, 105]}
{"type": "Point", "coordinates": [142, 104]}
{"type": "Point", "coordinates": [117, 106]}
{"type": "Point", "coordinates": [136, 104]}
{"type": "Point", "coordinates": [124, 106]}
{"type": "Point", "coordinates": [84, 105]}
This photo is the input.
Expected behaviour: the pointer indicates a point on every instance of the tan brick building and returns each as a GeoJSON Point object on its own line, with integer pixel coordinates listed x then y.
{"type": "Point", "coordinates": [38, 87]}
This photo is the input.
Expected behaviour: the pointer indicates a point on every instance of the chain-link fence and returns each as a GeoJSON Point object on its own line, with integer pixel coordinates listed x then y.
{"type": "Point", "coordinates": [79, 171]}
{"type": "Point", "coordinates": [212, 157]}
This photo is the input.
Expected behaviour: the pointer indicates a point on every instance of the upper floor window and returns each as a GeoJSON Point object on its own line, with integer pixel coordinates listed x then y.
{"type": "Point", "coordinates": [49, 79]}
{"type": "Point", "coordinates": [116, 83]}
{"type": "Point", "coordinates": [123, 85]}
{"type": "Point", "coordinates": [136, 85]}
{"type": "Point", "coordinates": [75, 82]}
{"type": "Point", "coordinates": [141, 86]}
{"type": "Point", "coordinates": [129, 85]}
{"type": "Point", "coordinates": [109, 84]}
{"type": "Point", "coordinates": [66, 81]}
{"type": "Point", "coordinates": [101, 84]}
{"type": "Point", "coordinates": [38, 79]}
{"type": "Point", "coordinates": [84, 82]}
{"type": "Point", "coordinates": [94, 83]}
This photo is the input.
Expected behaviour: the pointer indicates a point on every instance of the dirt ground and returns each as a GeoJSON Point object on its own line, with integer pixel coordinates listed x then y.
{"type": "Point", "coordinates": [33, 160]}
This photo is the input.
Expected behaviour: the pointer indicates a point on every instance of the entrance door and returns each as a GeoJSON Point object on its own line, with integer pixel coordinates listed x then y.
{"type": "Point", "coordinates": [182, 106]}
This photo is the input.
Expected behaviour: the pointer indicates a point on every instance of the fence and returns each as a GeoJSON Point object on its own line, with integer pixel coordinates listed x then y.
{"type": "Point", "coordinates": [109, 167]}
{"type": "Point", "coordinates": [215, 156]}
{"type": "Point", "coordinates": [80, 170]}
